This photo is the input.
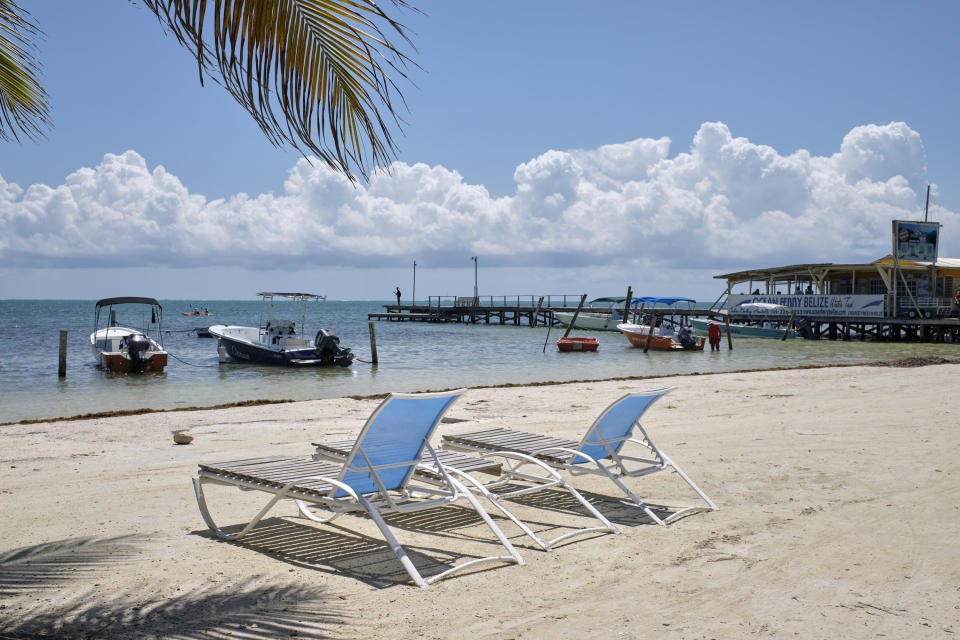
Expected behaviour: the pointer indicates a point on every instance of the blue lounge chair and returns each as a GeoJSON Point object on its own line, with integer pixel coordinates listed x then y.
{"type": "Point", "coordinates": [600, 452]}
{"type": "Point", "coordinates": [375, 477]}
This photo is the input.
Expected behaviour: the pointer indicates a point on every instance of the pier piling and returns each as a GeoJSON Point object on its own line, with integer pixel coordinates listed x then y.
{"type": "Point", "coordinates": [62, 369]}
{"type": "Point", "coordinates": [373, 343]}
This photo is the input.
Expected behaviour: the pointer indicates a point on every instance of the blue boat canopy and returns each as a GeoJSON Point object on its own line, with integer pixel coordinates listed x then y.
{"type": "Point", "coordinates": [653, 300]}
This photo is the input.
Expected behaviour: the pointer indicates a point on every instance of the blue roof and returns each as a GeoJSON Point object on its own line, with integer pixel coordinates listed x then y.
{"type": "Point", "coordinates": [652, 300]}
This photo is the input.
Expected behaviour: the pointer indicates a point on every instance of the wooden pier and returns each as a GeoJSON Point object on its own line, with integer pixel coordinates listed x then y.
{"type": "Point", "coordinates": [532, 311]}
{"type": "Point", "coordinates": [538, 311]}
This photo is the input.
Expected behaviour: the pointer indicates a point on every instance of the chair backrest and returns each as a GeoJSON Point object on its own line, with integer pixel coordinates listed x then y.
{"type": "Point", "coordinates": [613, 427]}
{"type": "Point", "coordinates": [393, 439]}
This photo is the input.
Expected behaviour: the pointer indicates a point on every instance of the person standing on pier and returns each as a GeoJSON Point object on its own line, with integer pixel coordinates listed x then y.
{"type": "Point", "coordinates": [397, 293]}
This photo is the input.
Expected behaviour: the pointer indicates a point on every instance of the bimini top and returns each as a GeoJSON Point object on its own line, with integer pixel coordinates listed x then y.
{"type": "Point", "coordinates": [652, 300]}
{"type": "Point", "coordinates": [106, 302]}
{"type": "Point", "coordinates": [294, 296]}
{"type": "Point", "coordinates": [614, 299]}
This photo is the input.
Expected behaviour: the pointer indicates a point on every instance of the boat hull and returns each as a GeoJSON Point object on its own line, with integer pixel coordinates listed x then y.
{"type": "Point", "coordinates": [744, 331]}
{"type": "Point", "coordinates": [638, 334]}
{"type": "Point", "coordinates": [121, 363]}
{"type": "Point", "coordinates": [240, 349]}
{"type": "Point", "coordinates": [577, 344]}
{"type": "Point", "coordinates": [590, 321]}
{"type": "Point", "coordinates": [110, 351]}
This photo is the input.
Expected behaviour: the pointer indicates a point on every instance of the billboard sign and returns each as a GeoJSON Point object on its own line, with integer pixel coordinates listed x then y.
{"type": "Point", "coordinates": [915, 240]}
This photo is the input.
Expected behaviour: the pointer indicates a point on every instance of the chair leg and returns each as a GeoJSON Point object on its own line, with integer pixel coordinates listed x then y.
{"type": "Point", "coordinates": [550, 479]}
{"type": "Point", "coordinates": [207, 518]}
{"type": "Point", "coordinates": [401, 553]}
{"type": "Point", "coordinates": [630, 494]}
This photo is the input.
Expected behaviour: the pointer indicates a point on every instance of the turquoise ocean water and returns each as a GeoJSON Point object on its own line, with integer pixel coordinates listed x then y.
{"type": "Point", "coordinates": [413, 357]}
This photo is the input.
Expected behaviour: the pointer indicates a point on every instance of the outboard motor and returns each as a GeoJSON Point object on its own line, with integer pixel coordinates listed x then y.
{"type": "Point", "coordinates": [137, 347]}
{"type": "Point", "coordinates": [803, 329]}
{"type": "Point", "coordinates": [329, 350]}
{"type": "Point", "coordinates": [686, 338]}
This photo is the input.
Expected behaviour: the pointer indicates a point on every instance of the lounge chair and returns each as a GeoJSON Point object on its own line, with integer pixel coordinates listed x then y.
{"type": "Point", "coordinates": [375, 478]}
{"type": "Point", "coordinates": [600, 452]}
{"type": "Point", "coordinates": [525, 475]}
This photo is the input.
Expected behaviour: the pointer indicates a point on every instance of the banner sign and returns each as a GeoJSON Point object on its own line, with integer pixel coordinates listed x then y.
{"type": "Point", "coordinates": [846, 306]}
{"type": "Point", "coordinates": [915, 240]}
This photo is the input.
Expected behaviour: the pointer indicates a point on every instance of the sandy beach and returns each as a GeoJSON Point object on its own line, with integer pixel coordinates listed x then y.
{"type": "Point", "coordinates": [839, 514]}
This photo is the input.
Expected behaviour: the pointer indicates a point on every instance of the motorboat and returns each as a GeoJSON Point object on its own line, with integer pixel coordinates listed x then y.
{"type": "Point", "coordinates": [592, 318]}
{"type": "Point", "coordinates": [668, 333]}
{"type": "Point", "coordinates": [577, 344]}
{"type": "Point", "coordinates": [125, 349]}
{"type": "Point", "coordinates": [278, 340]}
{"type": "Point", "coordinates": [668, 336]}
{"type": "Point", "coordinates": [765, 320]}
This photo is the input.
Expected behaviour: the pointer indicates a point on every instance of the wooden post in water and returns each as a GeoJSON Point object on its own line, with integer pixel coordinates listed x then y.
{"type": "Point", "coordinates": [653, 323]}
{"type": "Point", "coordinates": [626, 305]}
{"type": "Point", "coordinates": [576, 313]}
{"type": "Point", "coordinates": [726, 322]}
{"type": "Point", "coordinates": [536, 314]}
{"type": "Point", "coordinates": [62, 369]}
{"type": "Point", "coordinates": [373, 343]}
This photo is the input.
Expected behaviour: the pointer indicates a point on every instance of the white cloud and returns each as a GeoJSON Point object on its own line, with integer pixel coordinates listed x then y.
{"type": "Point", "coordinates": [726, 203]}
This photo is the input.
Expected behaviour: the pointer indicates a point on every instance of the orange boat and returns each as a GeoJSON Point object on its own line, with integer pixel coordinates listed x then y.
{"type": "Point", "coordinates": [667, 337]}
{"type": "Point", "coordinates": [577, 344]}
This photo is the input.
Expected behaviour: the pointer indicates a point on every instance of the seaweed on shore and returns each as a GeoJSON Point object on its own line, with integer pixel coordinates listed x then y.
{"type": "Point", "coordinates": [920, 361]}
{"type": "Point", "coordinates": [136, 412]}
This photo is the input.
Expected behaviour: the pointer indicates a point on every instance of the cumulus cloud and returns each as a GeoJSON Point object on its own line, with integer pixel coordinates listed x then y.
{"type": "Point", "coordinates": [725, 203]}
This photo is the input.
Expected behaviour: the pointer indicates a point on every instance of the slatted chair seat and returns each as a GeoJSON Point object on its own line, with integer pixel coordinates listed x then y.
{"type": "Point", "coordinates": [276, 472]}
{"type": "Point", "coordinates": [603, 450]}
{"type": "Point", "coordinates": [427, 470]}
{"type": "Point", "coordinates": [532, 444]}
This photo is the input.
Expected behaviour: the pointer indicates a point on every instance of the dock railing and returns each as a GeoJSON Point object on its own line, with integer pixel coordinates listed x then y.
{"type": "Point", "coordinates": [560, 300]}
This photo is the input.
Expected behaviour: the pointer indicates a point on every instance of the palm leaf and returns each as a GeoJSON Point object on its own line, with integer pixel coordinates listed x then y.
{"type": "Point", "coordinates": [315, 74]}
{"type": "Point", "coordinates": [24, 107]}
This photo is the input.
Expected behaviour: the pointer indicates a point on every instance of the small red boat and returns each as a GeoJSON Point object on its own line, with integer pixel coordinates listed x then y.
{"type": "Point", "coordinates": [577, 344]}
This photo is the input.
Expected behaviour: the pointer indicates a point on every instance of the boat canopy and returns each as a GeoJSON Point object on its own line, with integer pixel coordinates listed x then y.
{"type": "Point", "coordinates": [614, 299]}
{"type": "Point", "coordinates": [106, 302]}
{"type": "Point", "coordinates": [653, 300]}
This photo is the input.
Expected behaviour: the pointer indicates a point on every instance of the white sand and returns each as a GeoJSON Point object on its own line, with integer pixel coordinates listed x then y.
{"type": "Point", "coordinates": [839, 495]}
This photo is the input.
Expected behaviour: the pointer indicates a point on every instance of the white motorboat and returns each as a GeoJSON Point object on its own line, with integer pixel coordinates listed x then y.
{"type": "Point", "coordinates": [762, 320]}
{"type": "Point", "coordinates": [125, 349]}
{"type": "Point", "coordinates": [593, 319]}
{"type": "Point", "coordinates": [280, 341]}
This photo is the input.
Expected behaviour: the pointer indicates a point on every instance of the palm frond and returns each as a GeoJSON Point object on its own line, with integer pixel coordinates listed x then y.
{"type": "Point", "coordinates": [24, 108]}
{"type": "Point", "coordinates": [315, 74]}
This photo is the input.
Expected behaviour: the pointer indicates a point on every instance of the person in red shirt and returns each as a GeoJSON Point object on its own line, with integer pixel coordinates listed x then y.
{"type": "Point", "coordinates": [713, 332]}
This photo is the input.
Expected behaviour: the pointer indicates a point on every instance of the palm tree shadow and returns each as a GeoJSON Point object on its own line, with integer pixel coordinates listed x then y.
{"type": "Point", "coordinates": [54, 563]}
{"type": "Point", "coordinates": [217, 611]}
{"type": "Point", "coordinates": [338, 550]}
{"type": "Point", "coordinates": [248, 609]}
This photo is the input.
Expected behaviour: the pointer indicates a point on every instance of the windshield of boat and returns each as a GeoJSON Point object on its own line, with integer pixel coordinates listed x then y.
{"type": "Point", "coordinates": [285, 312]}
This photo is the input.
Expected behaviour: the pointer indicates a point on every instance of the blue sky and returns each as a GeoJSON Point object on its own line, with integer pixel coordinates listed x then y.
{"type": "Point", "coordinates": [572, 146]}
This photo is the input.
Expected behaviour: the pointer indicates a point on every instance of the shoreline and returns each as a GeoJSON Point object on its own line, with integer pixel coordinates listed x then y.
{"type": "Point", "coordinates": [901, 363]}
{"type": "Point", "coordinates": [837, 489]}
